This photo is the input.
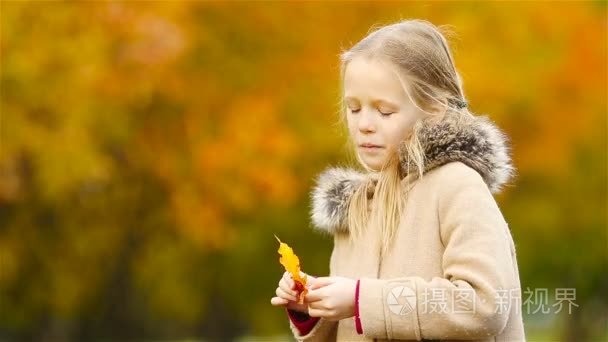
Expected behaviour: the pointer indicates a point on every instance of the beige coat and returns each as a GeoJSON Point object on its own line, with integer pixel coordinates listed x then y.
{"type": "Point", "coordinates": [452, 272]}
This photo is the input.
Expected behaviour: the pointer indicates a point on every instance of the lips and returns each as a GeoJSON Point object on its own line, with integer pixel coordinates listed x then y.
{"type": "Point", "coordinates": [368, 145]}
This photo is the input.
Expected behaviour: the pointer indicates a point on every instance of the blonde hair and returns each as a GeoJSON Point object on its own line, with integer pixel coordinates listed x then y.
{"type": "Point", "coordinates": [417, 51]}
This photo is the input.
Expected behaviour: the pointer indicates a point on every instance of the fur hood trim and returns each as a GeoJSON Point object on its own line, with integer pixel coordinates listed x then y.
{"type": "Point", "coordinates": [476, 142]}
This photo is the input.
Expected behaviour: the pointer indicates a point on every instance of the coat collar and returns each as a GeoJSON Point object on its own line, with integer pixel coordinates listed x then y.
{"type": "Point", "coordinates": [476, 142]}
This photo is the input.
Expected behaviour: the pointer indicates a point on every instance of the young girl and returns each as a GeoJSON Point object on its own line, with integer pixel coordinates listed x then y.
{"type": "Point", "coordinates": [421, 249]}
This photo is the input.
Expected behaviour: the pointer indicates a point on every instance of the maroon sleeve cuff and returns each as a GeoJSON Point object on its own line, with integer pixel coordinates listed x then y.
{"type": "Point", "coordinates": [303, 322]}
{"type": "Point", "coordinates": [357, 318]}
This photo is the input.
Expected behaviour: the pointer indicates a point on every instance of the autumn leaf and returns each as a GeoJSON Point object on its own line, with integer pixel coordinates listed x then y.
{"type": "Point", "coordinates": [291, 262]}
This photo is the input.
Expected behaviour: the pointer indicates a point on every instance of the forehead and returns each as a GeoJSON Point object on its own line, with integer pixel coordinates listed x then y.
{"type": "Point", "coordinates": [371, 79]}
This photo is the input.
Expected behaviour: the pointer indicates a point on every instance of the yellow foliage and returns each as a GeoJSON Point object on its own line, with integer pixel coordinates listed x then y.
{"type": "Point", "coordinates": [291, 262]}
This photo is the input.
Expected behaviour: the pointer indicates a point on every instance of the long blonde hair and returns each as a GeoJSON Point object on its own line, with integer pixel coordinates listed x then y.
{"type": "Point", "coordinates": [418, 53]}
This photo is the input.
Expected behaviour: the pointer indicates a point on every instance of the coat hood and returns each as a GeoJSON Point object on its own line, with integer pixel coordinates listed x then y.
{"type": "Point", "coordinates": [476, 142]}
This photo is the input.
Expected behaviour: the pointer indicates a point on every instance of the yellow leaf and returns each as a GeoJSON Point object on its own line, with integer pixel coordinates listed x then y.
{"type": "Point", "coordinates": [291, 262]}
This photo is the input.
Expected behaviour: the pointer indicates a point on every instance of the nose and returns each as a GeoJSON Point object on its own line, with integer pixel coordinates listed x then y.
{"type": "Point", "coordinates": [366, 122]}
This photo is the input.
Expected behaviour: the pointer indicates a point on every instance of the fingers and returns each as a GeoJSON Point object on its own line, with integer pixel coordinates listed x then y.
{"type": "Point", "coordinates": [285, 295]}
{"type": "Point", "coordinates": [303, 275]}
{"type": "Point", "coordinates": [308, 278]}
{"type": "Point", "coordinates": [288, 280]}
{"type": "Point", "coordinates": [319, 305]}
{"type": "Point", "coordinates": [312, 312]}
{"type": "Point", "coordinates": [314, 296]}
{"type": "Point", "coordinates": [287, 287]}
{"type": "Point", "coordinates": [277, 301]}
{"type": "Point", "coordinates": [320, 282]}
{"type": "Point", "coordinates": [316, 291]}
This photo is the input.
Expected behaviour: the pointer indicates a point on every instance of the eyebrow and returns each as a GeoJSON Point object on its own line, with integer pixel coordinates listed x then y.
{"type": "Point", "coordinates": [374, 101]}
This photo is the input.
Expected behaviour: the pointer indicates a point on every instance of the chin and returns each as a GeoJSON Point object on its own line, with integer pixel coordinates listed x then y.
{"type": "Point", "coordinates": [374, 165]}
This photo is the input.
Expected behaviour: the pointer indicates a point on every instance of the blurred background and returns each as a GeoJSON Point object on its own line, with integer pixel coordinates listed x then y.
{"type": "Point", "coordinates": [150, 150]}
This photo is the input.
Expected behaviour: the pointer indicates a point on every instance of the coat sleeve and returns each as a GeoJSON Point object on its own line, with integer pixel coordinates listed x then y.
{"type": "Point", "coordinates": [472, 298]}
{"type": "Point", "coordinates": [323, 330]}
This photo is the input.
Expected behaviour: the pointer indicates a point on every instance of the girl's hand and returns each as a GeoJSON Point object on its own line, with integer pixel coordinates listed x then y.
{"type": "Point", "coordinates": [286, 295]}
{"type": "Point", "coordinates": [332, 298]}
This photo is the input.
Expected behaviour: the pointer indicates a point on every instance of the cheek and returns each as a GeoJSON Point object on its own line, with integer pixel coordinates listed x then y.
{"type": "Point", "coordinates": [399, 133]}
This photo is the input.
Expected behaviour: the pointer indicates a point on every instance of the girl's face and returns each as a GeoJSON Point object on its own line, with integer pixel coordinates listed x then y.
{"type": "Point", "coordinates": [379, 113]}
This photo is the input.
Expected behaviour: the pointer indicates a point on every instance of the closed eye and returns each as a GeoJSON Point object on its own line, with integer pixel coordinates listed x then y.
{"type": "Point", "coordinates": [382, 113]}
